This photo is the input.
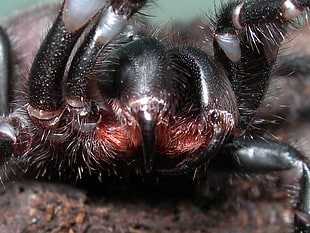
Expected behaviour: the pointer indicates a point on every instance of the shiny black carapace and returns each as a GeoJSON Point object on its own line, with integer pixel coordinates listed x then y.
{"type": "Point", "coordinates": [105, 90]}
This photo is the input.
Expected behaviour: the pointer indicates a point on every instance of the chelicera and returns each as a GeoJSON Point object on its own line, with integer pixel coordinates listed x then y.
{"type": "Point", "coordinates": [106, 92]}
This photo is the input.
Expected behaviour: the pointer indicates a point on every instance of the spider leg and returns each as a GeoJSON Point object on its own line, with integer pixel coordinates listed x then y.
{"type": "Point", "coordinates": [45, 78]}
{"type": "Point", "coordinates": [258, 155]}
{"type": "Point", "coordinates": [246, 41]}
{"type": "Point", "coordinates": [4, 73]}
{"type": "Point", "coordinates": [109, 27]}
{"type": "Point", "coordinates": [49, 66]}
{"type": "Point", "coordinates": [7, 132]}
{"type": "Point", "coordinates": [47, 73]}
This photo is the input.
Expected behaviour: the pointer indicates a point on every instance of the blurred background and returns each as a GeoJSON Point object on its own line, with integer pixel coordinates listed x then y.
{"type": "Point", "coordinates": [166, 9]}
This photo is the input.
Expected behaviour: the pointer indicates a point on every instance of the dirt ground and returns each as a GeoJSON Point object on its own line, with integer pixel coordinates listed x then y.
{"type": "Point", "coordinates": [223, 206]}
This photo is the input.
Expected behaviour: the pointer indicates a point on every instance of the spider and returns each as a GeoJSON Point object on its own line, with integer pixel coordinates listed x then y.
{"type": "Point", "coordinates": [105, 91]}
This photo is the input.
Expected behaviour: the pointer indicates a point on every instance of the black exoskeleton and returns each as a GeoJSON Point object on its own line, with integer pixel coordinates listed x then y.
{"type": "Point", "coordinates": [104, 92]}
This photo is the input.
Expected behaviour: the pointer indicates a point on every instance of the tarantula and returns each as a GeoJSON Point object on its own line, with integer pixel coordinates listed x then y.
{"type": "Point", "coordinates": [106, 92]}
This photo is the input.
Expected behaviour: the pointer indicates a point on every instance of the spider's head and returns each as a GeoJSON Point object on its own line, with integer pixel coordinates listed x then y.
{"type": "Point", "coordinates": [173, 100]}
